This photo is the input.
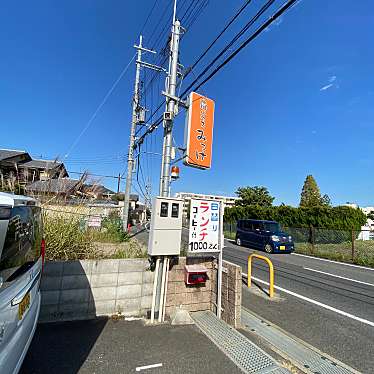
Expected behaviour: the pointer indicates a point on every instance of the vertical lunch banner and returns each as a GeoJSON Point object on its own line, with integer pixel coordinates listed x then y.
{"type": "Point", "coordinates": [204, 235]}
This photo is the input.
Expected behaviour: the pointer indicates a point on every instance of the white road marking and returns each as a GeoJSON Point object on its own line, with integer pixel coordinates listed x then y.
{"type": "Point", "coordinates": [338, 276]}
{"type": "Point", "coordinates": [328, 307]}
{"type": "Point", "coordinates": [334, 262]}
{"type": "Point", "coordinates": [140, 368]}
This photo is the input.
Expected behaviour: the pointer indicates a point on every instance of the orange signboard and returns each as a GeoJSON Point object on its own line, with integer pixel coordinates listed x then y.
{"type": "Point", "coordinates": [199, 131]}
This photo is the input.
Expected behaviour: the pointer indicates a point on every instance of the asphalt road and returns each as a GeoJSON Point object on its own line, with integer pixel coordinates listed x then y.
{"type": "Point", "coordinates": [327, 304]}
{"type": "Point", "coordinates": [104, 346]}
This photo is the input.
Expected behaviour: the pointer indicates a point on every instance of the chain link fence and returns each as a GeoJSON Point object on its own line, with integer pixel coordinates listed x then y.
{"type": "Point", "coordinates": [340, 245]}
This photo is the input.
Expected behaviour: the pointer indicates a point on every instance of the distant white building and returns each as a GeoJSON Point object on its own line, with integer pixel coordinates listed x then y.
{"type": "Point", "coordinates": [187, 196]}
{"type": "Point", "coordinates": [367, 231]}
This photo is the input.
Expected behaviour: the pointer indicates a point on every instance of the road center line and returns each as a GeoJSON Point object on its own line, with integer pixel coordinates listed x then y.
{"type": "Point", "coordinates": [338, 276]}
{"type": "Point", "coordinates": [140, 368]}
{"type": "Point", "coordinates": [328, 307]}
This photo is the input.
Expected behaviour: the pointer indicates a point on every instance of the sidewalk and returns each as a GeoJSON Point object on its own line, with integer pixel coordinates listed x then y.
{"type": "Point", "coordinates": [110, 347]}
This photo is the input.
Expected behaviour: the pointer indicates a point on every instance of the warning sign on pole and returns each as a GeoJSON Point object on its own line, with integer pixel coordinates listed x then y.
{"type": "Point", "coordinates": [205, 226]}
{"type": "Point", "coordinates": [199, 131]}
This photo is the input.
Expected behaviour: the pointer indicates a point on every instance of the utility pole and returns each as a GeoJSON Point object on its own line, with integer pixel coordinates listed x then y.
{"type": "Point", "coordinates": [119, 182]}
{"type": "Point", "coordinates": [134, 120]}
{"type": "Point", "coordinates": [171, 100]}
{"type": "Point", "coordinates": [169, 114]}
{"type": "Point", "coordinates": [136, 109]}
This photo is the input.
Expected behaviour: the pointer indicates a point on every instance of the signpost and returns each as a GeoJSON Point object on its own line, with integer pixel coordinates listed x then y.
{"type": "Point", "coordinates": [94, 221]}
{"type": "Point", "coordinates": [199, 131]}
{"type": "Point", "coordinates": [206, 234]}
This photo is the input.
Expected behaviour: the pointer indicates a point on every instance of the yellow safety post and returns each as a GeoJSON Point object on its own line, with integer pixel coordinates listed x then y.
{"type": "Point", "coordinates": [271, 271]}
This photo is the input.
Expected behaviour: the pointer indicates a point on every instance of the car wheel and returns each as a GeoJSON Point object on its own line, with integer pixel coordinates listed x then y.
{"type": "Point", "coordinates": [238, 242]}
{"type": "Point", "coordinates": [268, 248]}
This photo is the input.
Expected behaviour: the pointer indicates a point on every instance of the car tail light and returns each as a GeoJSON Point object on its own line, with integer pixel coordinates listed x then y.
{"type": "Point", "coordinates": [42, 251]}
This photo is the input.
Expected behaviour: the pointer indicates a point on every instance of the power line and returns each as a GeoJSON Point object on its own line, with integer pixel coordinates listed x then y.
{"type": "Point", "coordinates": [152, 127]}
{"type": "Point", "coordinates": [93, 175]}
{"type": "Point", "coordinates": [159, 23]}
{"type": "Point", "coordinates": [99, 159]}
{"type": "Point", "coordinates": [237, 14]}
{"type": "Point", "coordinates": [194, 14]}
{"type": "Point", "coordinates": [119, 161]}
{"type": "Point", "coordinates": [148, 17]}
{"type": "Point", "coordinates": [285, 7]}
{"type": "Point", "coordinates": [276, 15]}
{"type": "Point", "coordinates": [236, 37]}
{"type": "Point", "coordinates": [96, 158]}
{"type": "Point", "coordinates": [140, 193]}
{"type": "Point", "coordinates": [94, 115]}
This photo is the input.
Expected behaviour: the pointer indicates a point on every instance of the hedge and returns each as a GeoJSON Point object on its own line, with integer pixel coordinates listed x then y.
{"type": "Point", "coordinates": [338, 218]}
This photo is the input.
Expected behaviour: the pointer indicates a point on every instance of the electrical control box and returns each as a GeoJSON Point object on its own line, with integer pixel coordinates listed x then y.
{"type": "Point", "coordinates": [166, 227]}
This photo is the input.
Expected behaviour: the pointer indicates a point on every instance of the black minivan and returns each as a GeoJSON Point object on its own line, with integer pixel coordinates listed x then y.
{"type": "Point", "coordinates": [264, 235]}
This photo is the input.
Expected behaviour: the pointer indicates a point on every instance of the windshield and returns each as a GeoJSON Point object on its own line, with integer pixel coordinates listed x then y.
{"type": "Point", "coordinates": [271, 226]}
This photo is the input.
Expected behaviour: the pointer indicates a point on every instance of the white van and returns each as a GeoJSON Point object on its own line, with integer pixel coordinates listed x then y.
{"type": "Point", "coordinates": [22, 251]}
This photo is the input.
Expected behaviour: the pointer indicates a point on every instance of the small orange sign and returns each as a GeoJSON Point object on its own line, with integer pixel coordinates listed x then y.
{"type": "Point", "coordinates": [199, 131]}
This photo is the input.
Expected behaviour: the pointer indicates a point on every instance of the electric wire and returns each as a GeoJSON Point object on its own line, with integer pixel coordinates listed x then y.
{"type": "Point", "coordinates": [194, 15]}
{"type": "Point", "coordinates": [94, 115]}
{"type": "Point", "coordinates": [232, 20]}
{"type": "Point", "coordinates": [276, 15]}
{"type": "Point", "coordinates": [228, 46]}
{"type": "Point", "coordinates": [148, 17]}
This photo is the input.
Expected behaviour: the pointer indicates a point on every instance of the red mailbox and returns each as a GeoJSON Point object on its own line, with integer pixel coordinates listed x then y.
{"type": "Point", "coordinates": [195, 274]}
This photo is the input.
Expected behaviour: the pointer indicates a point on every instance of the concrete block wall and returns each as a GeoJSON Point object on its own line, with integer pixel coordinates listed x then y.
{"type": "Point", "coordinates": [89, 288]}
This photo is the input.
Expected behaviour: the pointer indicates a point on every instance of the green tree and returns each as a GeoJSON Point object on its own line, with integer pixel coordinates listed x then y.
{"type": "Point", "coordinates": [371, 215]}
{"type": "Point", "coordinates": [118, 197]}
{"type": "Point", "coordinates": [257, 195]}
{"type": "Point", "coordinates": [325, 200]}
{"type": "Point", "coordinates": [311, 195]}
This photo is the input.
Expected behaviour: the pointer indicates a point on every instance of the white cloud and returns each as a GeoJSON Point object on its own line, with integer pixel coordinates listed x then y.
{"type": "Point", "coordinates": [332, 78]}
{"type": "Point", "coordinates": [324, 88]}
{"type": "Point", "coordinates": [331, 82]}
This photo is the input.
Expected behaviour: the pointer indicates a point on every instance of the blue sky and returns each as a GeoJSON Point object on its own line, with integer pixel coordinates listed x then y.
{"type": "Point", "coordinates": [297, 101]}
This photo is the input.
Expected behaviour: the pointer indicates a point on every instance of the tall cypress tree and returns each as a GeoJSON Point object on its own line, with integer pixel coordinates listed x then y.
{"type": "Point", "coordinates": [311, 195]}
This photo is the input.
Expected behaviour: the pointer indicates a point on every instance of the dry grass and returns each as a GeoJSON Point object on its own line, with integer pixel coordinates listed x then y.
{"type": "Point", "coordinates": [293, 369]}
{"type": "Point", "coordinates": [68, 239]}
{"type": "Point", "coordinates": [131, 249]}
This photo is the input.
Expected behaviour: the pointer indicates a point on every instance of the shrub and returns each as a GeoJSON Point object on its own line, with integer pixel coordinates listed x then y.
{"type": "Point", "coordinates": [341, 217]}
{"type": "Point", "coordinates": [111, 231]}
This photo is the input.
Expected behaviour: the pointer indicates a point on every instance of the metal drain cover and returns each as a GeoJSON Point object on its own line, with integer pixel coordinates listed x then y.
{"type": "Point", "coordinates": [236, 346]}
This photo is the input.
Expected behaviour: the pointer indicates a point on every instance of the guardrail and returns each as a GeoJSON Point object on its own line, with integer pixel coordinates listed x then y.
{"type": "Point", "coordinates": [271, 271]}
